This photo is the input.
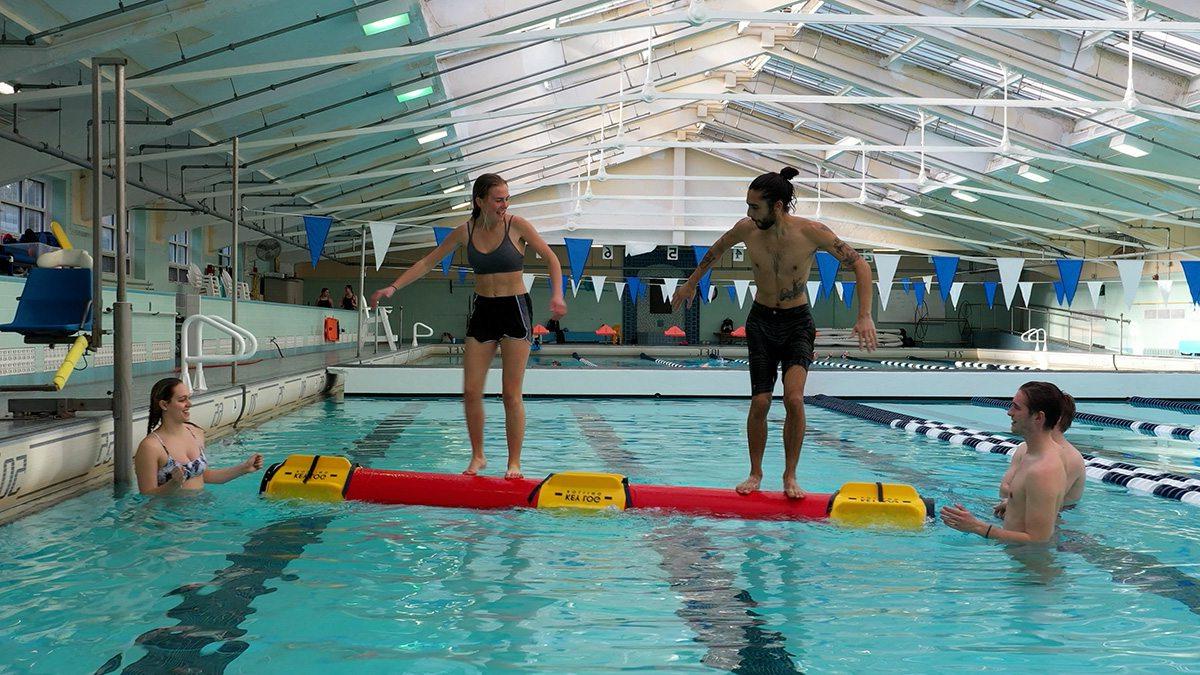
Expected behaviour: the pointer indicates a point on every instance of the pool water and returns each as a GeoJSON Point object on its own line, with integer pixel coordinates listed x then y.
{"type": "Point", "coordinates": [227, 581]}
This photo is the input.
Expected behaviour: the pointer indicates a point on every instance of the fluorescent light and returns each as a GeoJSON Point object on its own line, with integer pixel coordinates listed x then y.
{"type": "Point", "coordinates": [6, 88]}
{"type": "Point", "coordinates": [415, 93]}
{"type": "Point", "coordinates": [431, 137]}
{"type": "Point", "coordinates": [965, 196]}
{"type": "Point", "coordinates": [912, 212]}
{"type": "Point", "coordinates": [386, 24]}
{"type": "Point", "coordinates": [845, 142]}
{"type": "Point", "coordinates": [456, 188]}
{"type": "Point", "coordinates": [439, 169]}
{"type": "Point", "coordinates": [460, 205]}
{"type": "Point", "coordinates": [1125, 145]}
{"type": "Point", "coordinates": [1028, 173]}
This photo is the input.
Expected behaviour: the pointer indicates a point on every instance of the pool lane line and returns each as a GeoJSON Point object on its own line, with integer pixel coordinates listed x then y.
{"type": "Point", "coordinates": [1189, 407]}
{"type": "Point", "coordinates": [577, 357]}
{"type": "Point", "coordinates": [205, 639]}
{"type": "Point", "coordinates": [662, 362]}
{"type": "Point", "coordinates": [1179, 487]}
{"type": "Point", "coordinates": [737, 642]}
{"type": "Point", "coordinates": [1141, 571]}
{"type": "Point", "coordinates": [1177, 432]}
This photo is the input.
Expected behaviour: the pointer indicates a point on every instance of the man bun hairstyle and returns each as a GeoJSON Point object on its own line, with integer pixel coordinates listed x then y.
{"type": "Point", "coordinates": [1068, 412]}
{"type": "Point", "coordinates": [1045, 397]}
{"type": "Point", "coordinates": [777, 187]}
{"type": "Point", "coordinates": [483, 185]}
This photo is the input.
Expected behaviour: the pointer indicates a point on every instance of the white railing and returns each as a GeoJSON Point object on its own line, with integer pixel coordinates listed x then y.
{"type": "Point", "coordinates": [375, 321]}
{"type": "Point", "coordinates": [419, 335]}
{"type": "Point", "coordinates": [244, 342]}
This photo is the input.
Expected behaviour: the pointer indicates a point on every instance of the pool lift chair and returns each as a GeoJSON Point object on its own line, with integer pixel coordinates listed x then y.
{"type": "Point", "coordinates": [56, 308]}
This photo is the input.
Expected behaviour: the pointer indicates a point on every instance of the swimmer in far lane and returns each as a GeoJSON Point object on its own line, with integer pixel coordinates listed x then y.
{"type": "Point", "coordinates": [780, 329]}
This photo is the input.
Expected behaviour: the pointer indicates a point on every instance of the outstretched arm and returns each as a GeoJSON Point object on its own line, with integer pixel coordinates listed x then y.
{"type": "Point", "coordinates": [687, 291]}
{"type": "Point", "coordinates": [864, 327]}
{"type": "Point", "coordinates": [558, 307]}
{"type": "Point", "coordinates": [420, 268]}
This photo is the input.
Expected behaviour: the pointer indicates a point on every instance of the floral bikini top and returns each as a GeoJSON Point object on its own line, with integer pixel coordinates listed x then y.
{"type": "Point", "coordinates": [190, 469]}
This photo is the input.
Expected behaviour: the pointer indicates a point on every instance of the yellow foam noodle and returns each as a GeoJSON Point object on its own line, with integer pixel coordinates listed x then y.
{"type": "Point", "coordinates": [61, 235]}
{"type": "Point", "coordinates": [583, 490]}
{"type": "Point", "coordinates": [68, 365]}
{"type": "Point", "coordinates": [878, 504]}
{"type": "Point", "coordinates": [319, 477]}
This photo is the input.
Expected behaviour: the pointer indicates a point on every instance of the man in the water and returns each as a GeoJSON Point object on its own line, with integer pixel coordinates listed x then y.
{"type": "Point", "coordinates": [1072, 460]}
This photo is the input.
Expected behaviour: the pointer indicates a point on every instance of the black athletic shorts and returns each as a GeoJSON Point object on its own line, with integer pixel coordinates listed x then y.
{"type": "Point", "coordinates": [508, 316]}
{"type": "Point", "coordinates": [778, 337]}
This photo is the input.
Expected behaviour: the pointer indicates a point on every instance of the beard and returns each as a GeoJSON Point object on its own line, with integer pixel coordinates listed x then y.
{"type": "Point", "coordinates": [765, 224]}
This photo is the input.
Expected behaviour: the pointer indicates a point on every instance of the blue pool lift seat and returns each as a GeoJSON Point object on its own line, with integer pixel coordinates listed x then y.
{"type": "Point", "coordinates": [55, 305]}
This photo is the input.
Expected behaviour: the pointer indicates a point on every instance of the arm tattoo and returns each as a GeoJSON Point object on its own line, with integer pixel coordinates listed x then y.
{"type": "Point", "coordinates": [708, 260]}
{"type": "Point", "coordinates": [844, 253]}
{"type": "Point", "coordinates": [797, 288]}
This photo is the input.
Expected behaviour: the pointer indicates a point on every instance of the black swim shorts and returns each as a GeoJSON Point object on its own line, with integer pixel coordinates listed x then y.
{"type": "Point", "coordinates": [509, 316]}
{"type": "Point", "coordinates": [778, 337]}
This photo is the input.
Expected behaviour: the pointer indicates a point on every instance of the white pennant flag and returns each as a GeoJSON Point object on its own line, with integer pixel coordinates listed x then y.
{"type": "Point", "coordinates": [669, 286]}
{"type": "Point", "coordinates": [885, 269]}
{"type": "Point", "coordinates": [740, 286]}
{"type": "Point", "coordinates": [620, 286]}
{"type": "Point", "coordinates": [1131, 278]}
{"type": "Point", "coordinates": [598, 285]}
{"type": "Point", "coordinates": [928, 279]}
{"type": "Point", "coordinates": [632, 248]}
{"type": "Point", "coordinates": [1026, 291]}
{"type": "Point", "coordinates": [1010, 275]}
{"type": "Point", "coordinates": [381, 240]}
{"type": "Point", "coordinates": [814, 292]}
{"type": "Point", "coordinates": [841, 289]}
{"type": "Point", "coordinates": [712, 292]}
{"type": "Point", "coordinates": [1094, 290]}
{"type": "Point", "coordinates": [1164, 289]}
{"type": "Point", "coordinates": [955, 290]}
{"type": "Point", "coordinates": [528, 279]}
{"type": "Point", "coordinates": [753, 292]}
{"type": "Point", "coordinates": [575, 288]}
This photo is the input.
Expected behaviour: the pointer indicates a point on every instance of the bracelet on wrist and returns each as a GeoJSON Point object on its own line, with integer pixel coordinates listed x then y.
{"type": "Point", "coordinates": [988, 533]}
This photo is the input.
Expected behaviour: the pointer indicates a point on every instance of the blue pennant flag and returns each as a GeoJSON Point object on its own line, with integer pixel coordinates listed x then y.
{"type": "Point", "coordinates": [1069, 270]}
{"type": "Point", "coordinates": [828, 267]}
{"type": "Point", "coordinates": [700, 252]}
{"type": "Point", "coordinates": [906, 284]}
{"type": "Point", "coordinates": [919, 289]}
{"type": "Point", "coordinates": [848, 292]}
{"type": "Point", "coordinates": [1191, 272]}
{"type": "Point", "coordinates": [1058, 292]}
{"type": "Point", "coordinates": [577, 255]}
{"type": "Point", "coordinates": [732, 294]}
{"type": "Point", "coordinates": [634, 289]}
{"type": "Point", "coordinates": [439, 235]}
{"type": "Point", "coordinates": [462, 274]}
{"type": "Point", "coordinates": [989, 289]}
{"type": "Point", "coordinates": [945, 266]}
{"type": "Point", "coordinates": [317, 229]}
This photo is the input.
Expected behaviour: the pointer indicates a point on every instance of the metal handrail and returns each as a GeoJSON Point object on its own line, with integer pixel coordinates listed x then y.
{"type": "Point", "coordinates": [1036, 337]}
{"type": "Point", "coordinates": [1070, 316]}
{"type": "Point", "coordinates": [416, 335]}
{"type": "Point", "coordinates": [244, 341]}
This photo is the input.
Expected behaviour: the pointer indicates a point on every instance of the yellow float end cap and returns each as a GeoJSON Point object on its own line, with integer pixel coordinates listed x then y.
{"type": "Point", "coordinates": [878, 505]}
{"type": "Point", "coordinates": [583, 490]}
{"type": "Point", "coordinates": [313, 477]}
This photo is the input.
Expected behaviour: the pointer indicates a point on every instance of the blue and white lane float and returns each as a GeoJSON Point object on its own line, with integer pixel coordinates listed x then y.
{"type": "Point", "coordinates": [912, 365]}
{"type": "Point", "coordinates": [844, 365]}
{"type": "Point", "coordinates": [1147, 428]}
{"type": "Point", "coordinates": [661, 362]}
{"type": "Point", "coordinates": [577, 357]}
{"type": "Point", "coordinates": [1189, 407]}
{"type": "Point", "coordinates": [722, 359]}
{"type": "Point", "coordinates": [984, 365]}
{"type": "Point", "coordinates": [1180, 487]}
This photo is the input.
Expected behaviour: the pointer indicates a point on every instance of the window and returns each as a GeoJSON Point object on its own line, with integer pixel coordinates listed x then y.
{"type": "Point", "coordinates": [224, 259]}
{"type": "Point", "coordinates": [108, 246]}
{"type": "Point", "coordinates": [23, 207]}
{"type": "Point", "coordinates": [177, 257]}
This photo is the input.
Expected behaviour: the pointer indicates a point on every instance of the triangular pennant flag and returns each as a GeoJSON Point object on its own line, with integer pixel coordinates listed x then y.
{"type": "Point", "coordinates": [440, 234]}
{"type": "Point", "coordinates": [955, 291]}
{"type": "Point", "coordinates": [885, 269]}
{"type": "Point", "coordinates": [700, 252]}
{"type": "Point", "coordinates": [1010, 276]}
{"type": "Point", "coordinates": [742, 285]}
{"type": "Point", "coordinates": [635, 288]}
{"type": "Point", "coordinates": [528, 279]}
{"type": "Point", "coordinates": [712, 293]}
{"type": "Point", "coordinates": [633, 248]}
{"type": "Point", "coordinates": [989, 290]}
{"type": "Point", "coordinates": [1026, 291]}
{"type": "Point", "coordinates": [381, 241]}
{"type": "Point", "coordinates": [1131, 278]}
{"type": "Point", "coordinates": [848, 292]}
{"type": "Point", "coordinates": [620, 286]}
{"type": "Point", "coordinates": [919, 289]}
{"type": "Point", "coordinates": [732, 293]}
{"type": "Point", "coordinates": [753, 292]}
{"type": "Point", "coordinates": [575, 288]}
{"type": "Point", "coordinates": [669, 286]}
{"type": "Point", "coordinates": [1164, 289]}
{"type": "Point", "coordinates": [462, 274]}
{"type": "Point", "coordinates": [577, 256]}
{"type": "Point", "coordinates": [945, 266]}
{"type": "Point", "coordinates": [928, 279]}
{"type": "Point", "coordinates": [906, 284]}
{"type": "Point", "coordinates": [317, 229]}
{"type": "Point", "coordinates": [841, 290]}
{"type": "Point", "coordinates": [1069, 270]}
{"type": "Point", "coordinates": [814, 292]}
{"type": "Point", "coordinates": [598, 285]}
{"type": "Point", "coordinates": [1058, 292]}
{"type": "Point", "coordinates": [1094, 289]}
{"type": "Point", "coordinates": [1191, 272]}
{"type": "Point", "coordinates": [827, 268]}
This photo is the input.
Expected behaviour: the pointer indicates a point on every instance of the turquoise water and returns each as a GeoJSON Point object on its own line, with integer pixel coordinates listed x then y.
{"type": "Point", "coordinates": [226, 581]}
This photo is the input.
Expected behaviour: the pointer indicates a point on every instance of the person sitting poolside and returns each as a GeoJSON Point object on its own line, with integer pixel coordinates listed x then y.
{"type": "Point", "coordinates": [1072, 460]}
{"type": "Point", "coordinates": [171, 456]}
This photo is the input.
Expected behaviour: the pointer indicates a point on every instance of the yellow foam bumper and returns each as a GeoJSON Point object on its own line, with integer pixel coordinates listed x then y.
{"type": "Point", "coordinates": [583, 490]}
{"type": "Point", "coordinates": [878, 504]}
{"type": "Point", "coordinates": [319, 477]}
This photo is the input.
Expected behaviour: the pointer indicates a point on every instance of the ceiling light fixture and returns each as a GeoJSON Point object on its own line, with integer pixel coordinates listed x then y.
{"type": "Point", "coordinates": [386, 24]}
{"type": "Point", "coordinates": [1126, 145]}
{"type": "Point", "coordinates": [1028, 173]}
{"type": "Point", "coordinates": [964, 196]}
{"type": "Point", "coordinates": [431, 137]}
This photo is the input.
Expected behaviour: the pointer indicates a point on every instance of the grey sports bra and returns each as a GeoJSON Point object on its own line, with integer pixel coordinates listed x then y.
{"type": "Point", "coordinates": [505, 257]}
{"type": "Point", "coordinates": [190, 469]}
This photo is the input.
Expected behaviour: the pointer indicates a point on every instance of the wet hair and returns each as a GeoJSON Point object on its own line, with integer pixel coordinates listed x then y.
{"type": "Point", "coordinates": [777, 187]}
{"type": "Point", "coordinates": [1047, 398]}
{"type": "Point", "coordinates": [162, 391]}
{"type": "Point", "coordinates": [483, 185]}
{"type": "Point", "coordinates": [1068, 412]}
